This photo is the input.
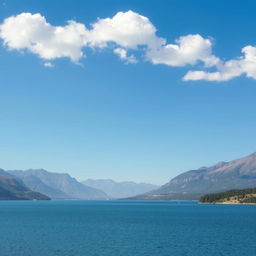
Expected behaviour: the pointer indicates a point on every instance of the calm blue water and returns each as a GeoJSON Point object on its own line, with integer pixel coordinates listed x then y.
{"type": "Point", "coordinates": [81, 228]}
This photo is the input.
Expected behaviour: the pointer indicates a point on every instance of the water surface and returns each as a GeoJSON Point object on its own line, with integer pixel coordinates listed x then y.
{"type": "Point", "coordinates": [127, 228]}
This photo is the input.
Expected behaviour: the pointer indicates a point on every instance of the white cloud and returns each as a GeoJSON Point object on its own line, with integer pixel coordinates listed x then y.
{"type": "Point", "coordinates": [122, 53]}
{"type": "Point", "coordinates": [124, 32]}
{"type": "Point", "coordinates": [48, 65]}
{"type": "Point", "coordinates": [229, 69]}
{"type": "Point", "coordinates": [32, 32]}
{"type": "Point", "coordinates": [189, 50]}
{"type": "Point", "coordinates": [127, 29]}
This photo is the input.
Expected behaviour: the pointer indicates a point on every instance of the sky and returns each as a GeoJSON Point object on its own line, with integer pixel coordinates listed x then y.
{"type": "Point", "coordinates": [127, 90]}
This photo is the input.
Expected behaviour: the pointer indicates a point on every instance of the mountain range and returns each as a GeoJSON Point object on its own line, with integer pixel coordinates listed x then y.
{"type": "Point", "coordinates": [120, 189]}
{"type": "Point", "coordinates": [223, 176]}
{"type": "Point", "coordinates": [62, 186]}
{"type": "Point", "coordinates": [41, 184]}
{"type": "Point", "coordinates": [58, 185]}
{"type": "Point", "coordinates": [14, 189]}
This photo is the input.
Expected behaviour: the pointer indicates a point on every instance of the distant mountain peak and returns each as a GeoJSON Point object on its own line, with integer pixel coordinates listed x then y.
{"type": "Point", "coordinates": [237, 174]}
{"type": "Point", "coordinates": [120, 189]}
{"type": "Point", "coordinates": [58, 185]}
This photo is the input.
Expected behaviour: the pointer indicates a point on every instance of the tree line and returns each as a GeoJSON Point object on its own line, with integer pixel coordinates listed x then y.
{"type": "Point", "coordinates": [242, 195]}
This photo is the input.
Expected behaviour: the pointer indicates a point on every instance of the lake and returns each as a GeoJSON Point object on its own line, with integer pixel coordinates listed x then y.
{"type": "Point", "coordinates": [127, 228]}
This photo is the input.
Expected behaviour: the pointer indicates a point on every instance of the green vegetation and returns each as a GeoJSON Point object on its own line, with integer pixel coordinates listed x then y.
{"type": "Point", "coordinates": [250, 200]}
{"type": "Point", "coordinates": [231, 196]}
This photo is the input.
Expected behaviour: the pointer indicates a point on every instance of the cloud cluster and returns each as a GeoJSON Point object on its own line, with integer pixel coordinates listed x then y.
{"type": "Point", "coordinates": [126, 30]}
{"type": "Point", "coordinates": [126, 33]}
{"type": "Point", "coordinates": [229, 69]}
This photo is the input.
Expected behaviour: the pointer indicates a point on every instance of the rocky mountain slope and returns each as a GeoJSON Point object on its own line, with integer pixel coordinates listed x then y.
{"type": "Point", "coordinates": [223, 176]}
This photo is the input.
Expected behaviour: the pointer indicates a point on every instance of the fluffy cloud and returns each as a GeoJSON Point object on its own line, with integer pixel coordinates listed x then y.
{"type": "Point", "coordinates": [124, 32]}
{"type": "Point", "coordinates": [122, 53]}
{"type": "Point", "coordinates": [189, 50]}
{"type": "Point", "coordinates": [32, 32]}
{"type": "Point", "coordinates": [127, 29]}
{"type": "Point", "coordinates": [229, 69]}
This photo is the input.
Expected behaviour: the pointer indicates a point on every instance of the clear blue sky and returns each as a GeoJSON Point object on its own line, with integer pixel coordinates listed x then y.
{"type": "Point", "coordinates": [139, 121]}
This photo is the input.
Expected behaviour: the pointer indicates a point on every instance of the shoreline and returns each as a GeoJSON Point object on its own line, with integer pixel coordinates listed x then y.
{"type": "Point", "coordinates": [227, 203]}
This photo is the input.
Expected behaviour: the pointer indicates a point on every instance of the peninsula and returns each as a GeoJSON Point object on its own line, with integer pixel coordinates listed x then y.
{"type": "Point", "coordinates": [237, 196]}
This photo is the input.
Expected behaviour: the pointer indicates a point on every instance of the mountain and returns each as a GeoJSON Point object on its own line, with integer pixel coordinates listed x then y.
{"type": "Point", "coordinates": [223, 176]}
{"type": "Point", "coordinates": [119, 189]}
{"type": "Point", "coordinates": [36, 184]}
{"type": "Point", "coordinates": [13, 189]}
{"type": "Point", "coordinates": [58, 185]}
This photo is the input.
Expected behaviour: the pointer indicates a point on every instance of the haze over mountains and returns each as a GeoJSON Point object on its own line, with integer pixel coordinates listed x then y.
{"type": "Point", "coordinates": [58, 185]}
{"type": "Point", "coordinates": [13, 189]}
{"type": "Point", "coordinates": [120, 189]}
{"type": "Point", "coordinates": [63, 186]}
{"type": "Point", "coordinates": [223, 176]}
{"type": "Point", "coordinates": [41, 184]}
